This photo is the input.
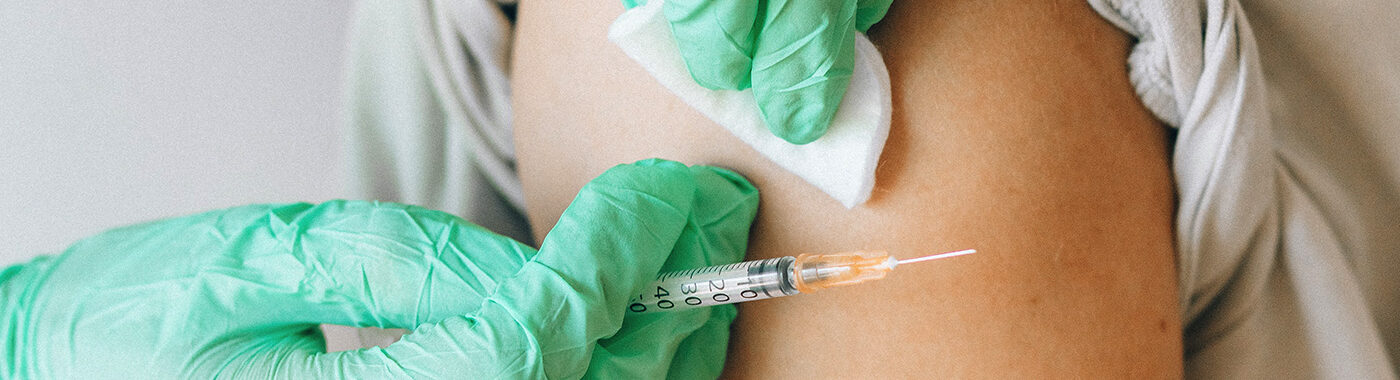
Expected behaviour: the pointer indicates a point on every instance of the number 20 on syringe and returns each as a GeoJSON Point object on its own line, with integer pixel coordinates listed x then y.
{"type": "Point", "coordinates": [761, 279]}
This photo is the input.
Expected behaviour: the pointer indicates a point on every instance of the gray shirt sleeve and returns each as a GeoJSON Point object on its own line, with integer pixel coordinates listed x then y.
{"type": "Point", "coordinates": [428, 110]}
{"type": "Point", "coordinates": [1265, 289]}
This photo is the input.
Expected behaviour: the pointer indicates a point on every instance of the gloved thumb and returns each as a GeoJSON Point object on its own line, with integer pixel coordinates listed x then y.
{"type": "Point", "coordinates": [692, 341]}
{"type": "Point", "coordinates": [545, 321]}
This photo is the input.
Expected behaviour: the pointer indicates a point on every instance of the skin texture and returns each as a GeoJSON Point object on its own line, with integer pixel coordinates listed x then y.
{"type": "Point", "coordinates": [1015, 132]}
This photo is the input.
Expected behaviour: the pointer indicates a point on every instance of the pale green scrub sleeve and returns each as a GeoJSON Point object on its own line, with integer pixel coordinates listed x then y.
{"type": "Point", "coordinates": [428, 109]}
{"type": "Point", "coordinates": [1287, 169]}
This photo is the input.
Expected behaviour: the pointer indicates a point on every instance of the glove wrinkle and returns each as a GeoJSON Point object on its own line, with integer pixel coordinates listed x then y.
{"type": "Point", "coordinates": [238, 293]}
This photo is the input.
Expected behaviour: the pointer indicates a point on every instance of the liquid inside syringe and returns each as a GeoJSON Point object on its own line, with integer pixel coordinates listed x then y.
{"type": "Point", "coordinates": [762, 279]}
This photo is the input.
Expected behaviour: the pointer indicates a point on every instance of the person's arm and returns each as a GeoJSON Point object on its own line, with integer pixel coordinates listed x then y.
{"type": "Point", "coordinates": [1015, 132]}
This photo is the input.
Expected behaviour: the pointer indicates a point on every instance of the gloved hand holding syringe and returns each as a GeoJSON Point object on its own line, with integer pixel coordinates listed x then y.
{"type": "Point", "coordinates": [762, 279]}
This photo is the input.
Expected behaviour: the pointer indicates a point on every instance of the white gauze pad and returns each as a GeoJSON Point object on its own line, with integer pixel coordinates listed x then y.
{"type": "Point", "coordinates": [840, 163]}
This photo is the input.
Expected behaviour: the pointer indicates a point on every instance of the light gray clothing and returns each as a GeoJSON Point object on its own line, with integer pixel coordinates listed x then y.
{"type": "Point", "coordinates": [429, 110]}
{"type": "Point", "coordinates": [1286, 160]}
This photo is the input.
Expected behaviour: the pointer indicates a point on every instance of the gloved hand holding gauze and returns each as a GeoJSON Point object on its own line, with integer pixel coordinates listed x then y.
{"type": "Point", "coordinates": [840, 163]}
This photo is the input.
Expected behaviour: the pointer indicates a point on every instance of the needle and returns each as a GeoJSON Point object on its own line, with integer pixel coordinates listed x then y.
{"type": "Point", "coordinates": [938, 256]}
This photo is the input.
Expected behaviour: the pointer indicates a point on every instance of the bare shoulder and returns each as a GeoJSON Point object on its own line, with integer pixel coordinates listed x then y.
{"type": "Point", "coordinates": [1015, 132]}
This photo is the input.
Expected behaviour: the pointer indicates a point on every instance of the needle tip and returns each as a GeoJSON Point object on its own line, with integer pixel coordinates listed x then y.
{"type": "Point", "coordinates": [938, 256]}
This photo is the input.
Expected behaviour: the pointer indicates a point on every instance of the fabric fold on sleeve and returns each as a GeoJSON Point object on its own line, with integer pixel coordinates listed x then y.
{"type": "Point", "coordinates": [1196, 66]}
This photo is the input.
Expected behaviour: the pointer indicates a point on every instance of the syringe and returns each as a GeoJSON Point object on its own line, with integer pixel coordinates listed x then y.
{"type": "Point", "coordinates": [761, 279]}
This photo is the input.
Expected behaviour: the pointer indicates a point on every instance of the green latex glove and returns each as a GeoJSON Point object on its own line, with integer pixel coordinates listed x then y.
{"type": "Point", "coordinates": [797, 55]}
{"type": "Point", "coordinates": [238, 293]}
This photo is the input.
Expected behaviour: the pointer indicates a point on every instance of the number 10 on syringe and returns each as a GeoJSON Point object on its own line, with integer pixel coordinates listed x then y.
{"type": "Point", "coordinates": [761, 279]}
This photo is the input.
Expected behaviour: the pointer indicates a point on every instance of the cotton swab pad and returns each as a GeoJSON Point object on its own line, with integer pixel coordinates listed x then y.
{"type": "Point", "coordinates": [840, 163]}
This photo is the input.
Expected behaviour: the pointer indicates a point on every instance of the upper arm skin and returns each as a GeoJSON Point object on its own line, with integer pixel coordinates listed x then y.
{"type": "Point", "coordinates": [1015, 132]}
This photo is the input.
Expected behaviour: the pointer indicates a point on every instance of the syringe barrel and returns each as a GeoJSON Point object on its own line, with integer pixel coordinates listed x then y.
{"type": "Point", "coordinates": [717, 285]}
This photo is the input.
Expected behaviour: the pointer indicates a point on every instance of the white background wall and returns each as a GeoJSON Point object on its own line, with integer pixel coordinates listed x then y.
{"type": "Point", "coordinates": [115, 112]}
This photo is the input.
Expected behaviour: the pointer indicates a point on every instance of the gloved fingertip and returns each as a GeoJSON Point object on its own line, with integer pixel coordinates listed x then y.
{"type": "Point", "coordinates": [666, 181]}
{"type": "Point", "coordinates": [657, 162]}
{"type": "Point", "coordinates": [734, 178]}
{"type": "Point", "coordinates": [797, 119]}
{"type": "Point", "coordinates": [716, 40]}
{"type": "Point", "coordinates": [629, 4]}
{"type": "Point", "coordinates": [802, 111]}
{"type": "Point", "coordinates": [869, 12]}
{"type": "Point", "coordinates": [727, 74]}
{"type": "Point", "coordinates": [653, 170]}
